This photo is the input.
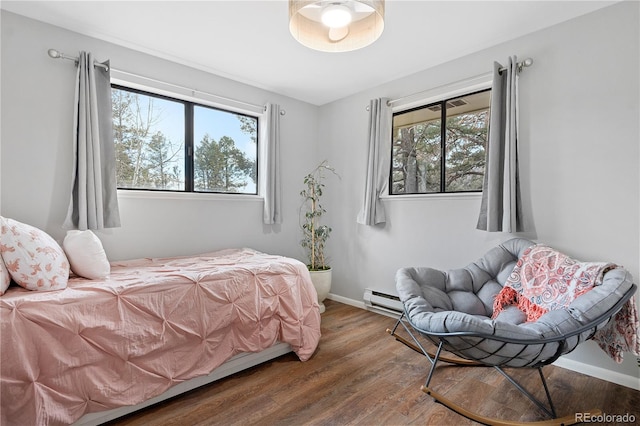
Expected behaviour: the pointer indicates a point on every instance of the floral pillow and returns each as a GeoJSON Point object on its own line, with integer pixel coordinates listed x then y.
{"type": "Point", "coordinates": [34, 260]}
{"type": "Point", "coordinates": [5, 280]}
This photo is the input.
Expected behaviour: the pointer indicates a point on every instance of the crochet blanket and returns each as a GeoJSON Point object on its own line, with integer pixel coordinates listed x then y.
{"type": "Point", "coordinates": [545, 279]}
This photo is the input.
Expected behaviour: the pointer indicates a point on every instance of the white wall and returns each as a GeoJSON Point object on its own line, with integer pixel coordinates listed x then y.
{"type": "Point", "coordinates": [37, 100]}
{"type": "Point", "coordinates": [579, 150]}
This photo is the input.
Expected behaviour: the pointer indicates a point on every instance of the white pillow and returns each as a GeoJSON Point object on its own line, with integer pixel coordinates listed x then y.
{"type": "Point", "coordinates": [86, 255]}
{"type": "Point", "coordinates": [34, 260]}
{"type": "Point", "coordinates": [5, 279]}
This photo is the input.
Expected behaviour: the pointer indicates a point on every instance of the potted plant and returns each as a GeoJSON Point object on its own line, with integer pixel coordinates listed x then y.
{"type": "Point", "coordinates": [314, 233]}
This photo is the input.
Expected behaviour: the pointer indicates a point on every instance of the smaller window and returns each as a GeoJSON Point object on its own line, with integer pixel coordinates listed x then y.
{"type": "Point", "coordinates": [440, 147]}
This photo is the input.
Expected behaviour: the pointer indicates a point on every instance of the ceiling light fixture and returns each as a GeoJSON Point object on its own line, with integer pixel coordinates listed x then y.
{"type": "Point", "coordinates": [336, 16]}
{"type": "Point", "coordinates": [336, 25]}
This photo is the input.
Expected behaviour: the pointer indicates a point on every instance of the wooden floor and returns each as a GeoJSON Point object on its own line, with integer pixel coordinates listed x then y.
{"type": "Point", "coordinates": [362, 376]}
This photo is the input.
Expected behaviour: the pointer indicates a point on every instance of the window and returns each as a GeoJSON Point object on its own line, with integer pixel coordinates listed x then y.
{"type": "Point", "coordinates": [170, 144]}
{"type": "Point", "coordinates": [429, 157]}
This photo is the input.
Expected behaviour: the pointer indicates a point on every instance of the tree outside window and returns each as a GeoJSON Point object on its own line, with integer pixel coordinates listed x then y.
{"type": "Point", "coordinates": [174, 145]}
{"type": "Point", "coordinates": [429, 157]}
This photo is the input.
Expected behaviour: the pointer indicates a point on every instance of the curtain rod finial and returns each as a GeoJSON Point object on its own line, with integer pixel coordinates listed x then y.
{"type": "Point", "coordinates": [53, 53]}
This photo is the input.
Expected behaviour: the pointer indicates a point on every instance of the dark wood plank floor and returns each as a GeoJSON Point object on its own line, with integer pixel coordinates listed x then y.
{"type": "Point", "coordinates": [362, 376]}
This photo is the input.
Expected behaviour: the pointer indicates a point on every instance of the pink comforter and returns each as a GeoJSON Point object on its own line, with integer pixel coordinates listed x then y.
{"type": "Point", "coordinates": [154, 323]}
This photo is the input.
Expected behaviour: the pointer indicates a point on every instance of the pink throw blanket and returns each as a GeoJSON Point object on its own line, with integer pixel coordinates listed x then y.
{"type": "Point", "coordinates": [545, 279]}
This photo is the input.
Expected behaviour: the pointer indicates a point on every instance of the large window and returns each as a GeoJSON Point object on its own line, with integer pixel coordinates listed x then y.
{"type": "Point", "coordinates": [174, 145]}
{"type": "Point", "coordinates": [440, 147]}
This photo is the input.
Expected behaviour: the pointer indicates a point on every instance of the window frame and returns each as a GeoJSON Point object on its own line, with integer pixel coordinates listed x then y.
{"type": "Point", "coordinates": [432, 101]}
{"type": "Point", "coordinates": [189, 105]}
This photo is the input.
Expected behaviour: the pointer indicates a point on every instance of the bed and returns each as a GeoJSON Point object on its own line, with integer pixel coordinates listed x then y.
{"type": "Point", "coordinates": [154, 328]}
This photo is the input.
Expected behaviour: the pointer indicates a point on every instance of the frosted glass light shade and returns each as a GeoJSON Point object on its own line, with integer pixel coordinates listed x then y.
{"type": "Point", "coordinates": [305, 24]}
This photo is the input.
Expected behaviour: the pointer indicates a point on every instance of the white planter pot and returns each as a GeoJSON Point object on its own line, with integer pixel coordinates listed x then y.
{"type": "Point", "coordinates": [322, 282]}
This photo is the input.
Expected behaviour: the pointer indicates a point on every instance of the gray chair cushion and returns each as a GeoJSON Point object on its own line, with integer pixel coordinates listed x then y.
{"type": "Point", "coordinates": [470, 289]}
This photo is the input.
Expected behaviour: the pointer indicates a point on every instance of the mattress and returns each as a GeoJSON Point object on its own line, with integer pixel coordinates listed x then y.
{"type": "Point", "coordinates": [154, 323]}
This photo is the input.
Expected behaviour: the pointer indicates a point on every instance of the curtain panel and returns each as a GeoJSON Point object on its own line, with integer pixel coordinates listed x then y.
{"type": "Point", "coordinates": [501, 206]}
{"type": "Point", "coordinates": [270, 176]}
{"type": "Point", "coordinates": [94, 198]}
{"type": "Point", "coordinates": [378, 162]}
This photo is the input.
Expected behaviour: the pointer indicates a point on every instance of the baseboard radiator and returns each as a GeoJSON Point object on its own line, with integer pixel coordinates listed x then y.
{"type": "Point", "coordinates": [383, 302]}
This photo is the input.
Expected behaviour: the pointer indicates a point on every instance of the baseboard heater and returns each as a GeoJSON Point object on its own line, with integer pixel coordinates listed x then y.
{"type": "Point", "coordinates": [383, 302]}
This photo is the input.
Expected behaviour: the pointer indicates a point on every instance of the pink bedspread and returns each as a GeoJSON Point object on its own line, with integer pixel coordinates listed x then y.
{"type": "Point", "coordinates": [154, 323]}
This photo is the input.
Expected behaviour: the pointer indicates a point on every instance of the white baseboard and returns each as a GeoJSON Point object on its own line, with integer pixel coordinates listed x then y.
{"type": "Point", "coordinates": [569, 364]}
{"type": "Point", "coordinates": [599, 373]}
{"type": "Point", "coordinates": [360, 305]}
{"type": "Point", "coordinates": [347, 301]}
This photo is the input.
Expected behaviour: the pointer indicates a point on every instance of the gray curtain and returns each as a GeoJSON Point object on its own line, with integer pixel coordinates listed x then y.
{"type": "Point", "coordinates": [378, 162]}
{"type": "Point", "coordinates": [501, 209]}
{"type": "Point", "coordinates": [270, 178]}
{"type": "Point", "coordinates": [94, 201]}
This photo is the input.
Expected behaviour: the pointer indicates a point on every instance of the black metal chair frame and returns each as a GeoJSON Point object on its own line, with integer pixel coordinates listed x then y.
{"type": "Point", "coordinates": [440, 340]}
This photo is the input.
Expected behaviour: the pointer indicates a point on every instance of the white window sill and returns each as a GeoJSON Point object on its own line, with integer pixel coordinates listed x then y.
{"type": "Point", "coordinates": [432, 197]}
{"type": "Point", "coordinates": [182, 196]}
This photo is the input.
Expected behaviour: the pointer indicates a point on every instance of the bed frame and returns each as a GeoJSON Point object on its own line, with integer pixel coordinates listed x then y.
{"type": "Point", "coordinates": [236, 364]}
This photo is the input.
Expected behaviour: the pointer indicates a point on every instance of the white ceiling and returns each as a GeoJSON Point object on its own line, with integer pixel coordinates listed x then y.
{"type": "Point", "coordinates": [249, 41]}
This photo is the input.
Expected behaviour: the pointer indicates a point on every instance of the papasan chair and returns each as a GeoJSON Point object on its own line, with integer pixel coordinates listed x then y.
{"type": "Point", "coordinates": [487, 314]}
